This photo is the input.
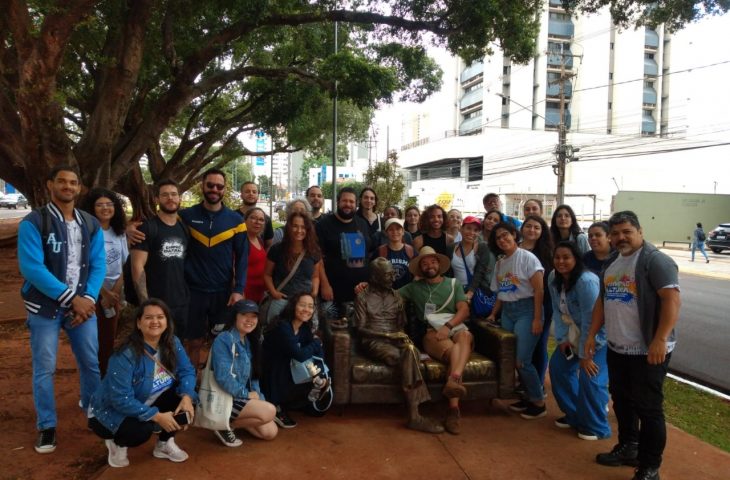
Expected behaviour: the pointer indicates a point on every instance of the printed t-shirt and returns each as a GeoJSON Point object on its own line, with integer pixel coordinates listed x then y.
{"type": "Point", "coordinates": [161, 382]}
{"type": "Point", "coordinates": [73, 264]}
{"type": "Point", "coordinates": [344, 248]}
{"type": "Point", "coordinates": [399, 261]}
{"type": "Point", "coordinates": [165, 267]}
{"type": "Point", "coordinates": [620, 306]}
{"type": "Point", "coordinates": [117, 252]}
{"type": "Point", "coordinates": [512, 276]}
{"type": "Point", "coordinates": [421, 293]}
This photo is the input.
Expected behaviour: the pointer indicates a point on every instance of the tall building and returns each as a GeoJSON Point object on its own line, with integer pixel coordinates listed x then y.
{"type": "Point", "coordinates": [635, 104]}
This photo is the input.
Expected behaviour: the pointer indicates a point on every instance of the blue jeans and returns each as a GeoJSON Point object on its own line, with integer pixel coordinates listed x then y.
{"type": "Point", "coordinates": [701, 246]}
{"type": "Point", "coordinates": [517, 318]}
{"type": "Point", "coordinates": [582, 398]}
{"type": "Point", "coordinates": [44, 333]}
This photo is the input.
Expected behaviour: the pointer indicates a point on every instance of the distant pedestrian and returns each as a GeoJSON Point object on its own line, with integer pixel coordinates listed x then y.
{"type": "Point", "coordinates": [698, 241]}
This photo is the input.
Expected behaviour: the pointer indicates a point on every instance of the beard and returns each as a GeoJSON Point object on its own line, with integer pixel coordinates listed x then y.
{"type": "Point", "coordinates": [429, 273]}
{"type": "Point", "coordinates": [164, 209]}
{"type": "Point", "coordinates": [346, 215]}
{"type": "Point", "coordinates": [212, 197]}
{"type": "Point", "coordinates": [249, 204]}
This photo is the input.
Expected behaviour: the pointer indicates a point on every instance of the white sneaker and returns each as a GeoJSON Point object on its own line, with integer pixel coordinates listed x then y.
{"type": "Point", "coordinates": [170, 451]}
{"type": "Point", "coordinates": [117, 455]}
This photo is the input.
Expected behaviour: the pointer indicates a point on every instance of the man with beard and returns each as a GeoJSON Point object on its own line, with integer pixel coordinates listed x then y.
{"type": "Point", "coordinates": [345, 242]}
{"type": "Point", "coordinates": [249, 199]}
{"type": "Point", "coordinates": [158, 261]}
{"type": "Point", "coordinates": [216, 262]}
{"type": "Point", "coordinates": [450, 343]}
{"type": "Point", "coordinates": [62, 259]}
{"type": "Point", "coordinates": [639, 304]}
{"type": "Point", "coordinates": [316, 200]}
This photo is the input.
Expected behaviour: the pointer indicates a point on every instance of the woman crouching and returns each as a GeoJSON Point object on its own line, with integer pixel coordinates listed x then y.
{"type": "Point", "coordinates": [149, 387]}
{"type": "Point", "coordinates": [236, 365]}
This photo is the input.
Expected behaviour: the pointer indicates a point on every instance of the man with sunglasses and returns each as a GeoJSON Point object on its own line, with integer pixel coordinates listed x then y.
{"type": "Point", "coordinates": [216, 262]}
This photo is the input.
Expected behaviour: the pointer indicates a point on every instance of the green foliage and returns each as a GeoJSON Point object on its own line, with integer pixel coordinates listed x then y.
{"type": "Point", "coordinates": [239, 171]}
{"type": "Point", "coordinates": [327, 187]}
{"type": "Point", "coordinates": [410, 202]}
{"type": "Point", "coordinates": [387, 182]}
{"type": "Point", "coordinates": [698, 413]}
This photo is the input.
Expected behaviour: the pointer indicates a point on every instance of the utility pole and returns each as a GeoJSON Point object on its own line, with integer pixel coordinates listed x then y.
{"type": "Point", "coordinates": [334, 134]}
{"type": "Point", "coordinates": [563, 151]}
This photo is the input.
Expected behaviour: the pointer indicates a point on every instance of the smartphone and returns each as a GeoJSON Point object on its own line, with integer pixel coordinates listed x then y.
{"type": "Point", "coordinates": [568, 352]}
{"type": "Point", "coordinates": [182, 418]}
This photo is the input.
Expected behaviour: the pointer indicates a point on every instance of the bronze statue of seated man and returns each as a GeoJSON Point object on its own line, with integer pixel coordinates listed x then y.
{"type": "Point", "coordinates": [380, 321]}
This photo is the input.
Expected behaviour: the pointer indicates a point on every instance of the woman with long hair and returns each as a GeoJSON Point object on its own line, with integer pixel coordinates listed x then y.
{"type": "Point", "coordinates": [518, 281]}
{"type": "Point", "coordinates": [532, 206]}
{"type": "Point", "coordinates": [564, 226]}
{"type": "Point", "coordinates": [108, 208]}
{"type": "Point", "coordinates": [536, 239]}
{"type": "Point", "coordinates": [433, 231]}
{"type": "Point", "coordinates": [150, 380]}
{"type": "Point", "coordinates": [491, 219]}
{"type": "Point", "coordinates": [299, 205]}
{"type": "Point", "coordinates": [292, 338]}
{"type": "Point", "coordinates": [413, 216]}
{"type": "Point", "coordinates": [283, 260]}
{"type": "Point", "coordinates": [368, 209]}
{"type": "Point", "coordinates": [601, 249]}
{"type": "Point", "coordinates": [580, 384]}
{"type": "Point", "coordinates": [255, 223]}
{"type": "Point", "coordinates": [236, 361]}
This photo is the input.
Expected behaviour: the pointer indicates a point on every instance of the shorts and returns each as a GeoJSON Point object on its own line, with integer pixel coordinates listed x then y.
{"type": "Point", "coordinates": [439, 349]}
{"type": "Point", "coordinates": [206, 310]}
{"type": "Point", "coordinates": [238, 404]}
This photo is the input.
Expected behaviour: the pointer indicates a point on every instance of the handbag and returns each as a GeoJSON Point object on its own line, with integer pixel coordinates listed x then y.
{"type": "Point", "coordinates": [482, 302]}
{"type": "Point", "coordinates": [214, 409]}
{"type": "Point", "coordinates": [265, 303]}
{"type": "Point", "coordinates": [573, 329]}
{"type": "Point", "coordinates": [437, 320]}
{"type": "Point", "coordinates": [303, 372]}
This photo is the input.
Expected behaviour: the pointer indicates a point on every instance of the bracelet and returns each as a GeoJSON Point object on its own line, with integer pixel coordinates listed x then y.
{"type": "Point", "coordinates": [448, 325]}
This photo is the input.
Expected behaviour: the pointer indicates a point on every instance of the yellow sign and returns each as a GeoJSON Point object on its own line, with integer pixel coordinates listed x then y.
{"type": "Point", "coordinates": [444, 200]}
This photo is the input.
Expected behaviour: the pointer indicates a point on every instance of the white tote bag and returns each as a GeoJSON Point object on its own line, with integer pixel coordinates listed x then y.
{"type": "Point", "coordinates": [214, 410]}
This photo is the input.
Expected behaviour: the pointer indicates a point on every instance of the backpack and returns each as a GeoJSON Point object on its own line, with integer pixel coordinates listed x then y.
{"type": "Point", "coordinates": [701, 236]}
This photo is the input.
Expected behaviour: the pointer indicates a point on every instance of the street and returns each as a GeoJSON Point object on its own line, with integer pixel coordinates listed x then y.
{"type": "Point", "coordinates": [11, 213]}
{"type": "Point", "coordinates": [703, 332]}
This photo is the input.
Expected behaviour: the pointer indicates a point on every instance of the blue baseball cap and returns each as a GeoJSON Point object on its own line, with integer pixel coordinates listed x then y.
{"type": "Point", "coordinates": [246, 306]}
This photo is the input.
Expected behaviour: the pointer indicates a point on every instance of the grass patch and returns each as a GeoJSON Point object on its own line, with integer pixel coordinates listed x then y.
{"type": "Point", "coordinates": [698, 413]}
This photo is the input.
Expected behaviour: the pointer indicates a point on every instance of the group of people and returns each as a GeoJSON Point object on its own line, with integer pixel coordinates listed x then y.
{"type": "Point", "coordinates": [259, 294]}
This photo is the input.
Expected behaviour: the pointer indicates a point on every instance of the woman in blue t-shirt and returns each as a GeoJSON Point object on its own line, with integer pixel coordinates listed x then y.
{"type": "Point", "coordinates": [396, 251]}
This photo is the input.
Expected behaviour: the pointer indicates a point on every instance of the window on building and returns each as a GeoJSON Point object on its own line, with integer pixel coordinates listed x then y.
{"type": "Point", "coordinates": [476, 169]}
{"type": "Point", "coordinates": [611, 45]}
{"type": "Point", "coordinates": [649, 83]}
{"type": "Point", "coordinates": [649, 55]}
{"type": "Point", "coordinates": [610, 75]}
{"type": "Point", "coordinates": [610, 105]}
{"type": "Point", "coordinates": [449, 168]}
{"type": "Point", "coordinates": [506, 70]}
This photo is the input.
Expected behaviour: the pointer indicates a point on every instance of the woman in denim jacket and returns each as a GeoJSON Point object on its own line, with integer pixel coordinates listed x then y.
{"type": "Point", "coordinates": [580, 385]}
{"type": "Point", "coordinates": [149, 380]}
{"type": "Point", "coordinates": [236, 367]}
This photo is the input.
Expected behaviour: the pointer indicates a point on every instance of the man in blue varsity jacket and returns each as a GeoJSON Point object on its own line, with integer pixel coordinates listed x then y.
{"type": "Point", "coordinates": [61, 256]}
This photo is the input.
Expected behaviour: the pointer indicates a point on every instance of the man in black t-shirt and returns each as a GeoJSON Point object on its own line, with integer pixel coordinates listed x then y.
{"type": "Point", "coordinates": [249, 199]}
{"type": "Point", "coordinates": [316, 200]}
{"type": "Point", "coordinates": [345, 242]}
{"type": "Point", "coordinates": [158, 262]}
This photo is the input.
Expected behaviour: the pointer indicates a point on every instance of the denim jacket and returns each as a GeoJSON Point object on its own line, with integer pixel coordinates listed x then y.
{"type": "Point", "coordinates": [580, 299]}
{"type": "Point", "coordinates": [233, 371]}
{"type": "Point", "coordinates": [128, 382]}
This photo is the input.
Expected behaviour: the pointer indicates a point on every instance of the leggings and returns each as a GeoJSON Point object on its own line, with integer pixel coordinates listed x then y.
{"type": "Point", "coordinates": [134, 432]}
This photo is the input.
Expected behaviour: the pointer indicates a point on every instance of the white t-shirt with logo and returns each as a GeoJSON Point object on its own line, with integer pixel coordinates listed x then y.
{"type": "Point", "coordinates": [621, 309]}
{"type": "Point", "coordinates": [117, 252]}
{"type": "Point", "coordinates": [73, 264]}
{"type": "Point", "coordinates": [512, 276]}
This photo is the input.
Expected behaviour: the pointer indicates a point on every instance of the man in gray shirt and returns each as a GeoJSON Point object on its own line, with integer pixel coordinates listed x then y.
{"type": "Point", "coordinates": [639, 304]}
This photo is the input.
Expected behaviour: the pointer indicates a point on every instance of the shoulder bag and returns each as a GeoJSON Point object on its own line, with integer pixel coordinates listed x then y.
{"type": "Point", "coordinates": [482, 302]}
{"type": "Point", "coordinates": [214, 409]}
{"type": "Point", "coordinates": [437, 320]}
{"type": "Point", "coordinates": [266, 301]}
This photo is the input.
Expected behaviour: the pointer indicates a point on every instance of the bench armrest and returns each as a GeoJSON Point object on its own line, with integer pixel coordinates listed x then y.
{"type": "Point", "coordinates": [338, 344]}
{"type": "Point", "coordinates": [500, 346]}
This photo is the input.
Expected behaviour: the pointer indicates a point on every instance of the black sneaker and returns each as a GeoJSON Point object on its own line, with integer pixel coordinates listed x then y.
{"type": "Point", "coordinates": [534, 411]}
{"type": "Point", "coordinates": [519, 406]}
{"type": "Point", "coordinates": [284, 420]}
{"type": "Point", "coordinates": [228, 438]}
{"type": "Point", "coordinates": [562, 422]}
{"type": "Point", "coordinates": [622, 454]}
{"type": "Point", "coordinates": [46, 442]}
{"type": "Point", "coordinates": [646, 474]}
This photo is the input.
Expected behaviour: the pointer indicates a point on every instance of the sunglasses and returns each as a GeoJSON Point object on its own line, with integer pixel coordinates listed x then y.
{"type": "Point", "coordinates": [217, 186]}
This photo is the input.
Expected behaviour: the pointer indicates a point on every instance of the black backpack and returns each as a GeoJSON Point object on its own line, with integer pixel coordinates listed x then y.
{"type": "Point", "coordinates": [701, 236]}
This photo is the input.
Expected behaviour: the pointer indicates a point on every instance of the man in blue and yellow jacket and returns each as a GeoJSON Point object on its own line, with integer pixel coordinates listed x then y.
{"type": "Point", "coordinates": [61, 256]}
{"type": "Point", "coordinates": [216, 262]}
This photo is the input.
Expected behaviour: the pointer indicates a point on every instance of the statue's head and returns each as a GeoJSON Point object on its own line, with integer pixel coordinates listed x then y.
{"type": "Point", "coordinates": [382, 274]}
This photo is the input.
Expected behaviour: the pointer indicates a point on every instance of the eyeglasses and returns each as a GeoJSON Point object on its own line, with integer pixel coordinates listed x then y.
{"type": "Point", "coordinates": [104, 205]}
{"type": "Point", "coordinates": [217, 186]}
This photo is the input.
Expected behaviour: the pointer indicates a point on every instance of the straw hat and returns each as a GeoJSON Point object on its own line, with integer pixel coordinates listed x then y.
{"type": "Point", "coordinates": [414, 265]}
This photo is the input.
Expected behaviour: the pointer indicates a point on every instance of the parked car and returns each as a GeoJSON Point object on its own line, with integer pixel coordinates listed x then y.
{"type": "Point", "coordinates": [14, 200]}
{"type": "Point", "coordinates": [719, 238]}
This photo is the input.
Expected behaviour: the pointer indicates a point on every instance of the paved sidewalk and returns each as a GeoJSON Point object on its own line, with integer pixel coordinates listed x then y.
{"type": "Point", "coordinates": [371, 442]}
{"type": "Point", "coordinates": [719, 266]}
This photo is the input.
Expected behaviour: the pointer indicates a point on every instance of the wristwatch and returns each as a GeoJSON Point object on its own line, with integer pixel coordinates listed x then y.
{"type": "Point", "coordinates": [448, 325]}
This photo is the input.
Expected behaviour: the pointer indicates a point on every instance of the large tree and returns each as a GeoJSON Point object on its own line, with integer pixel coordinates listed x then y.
{"type": "Point", "coordinates": [174, 83]}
